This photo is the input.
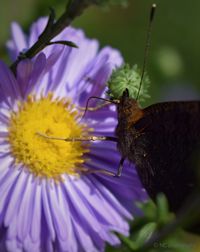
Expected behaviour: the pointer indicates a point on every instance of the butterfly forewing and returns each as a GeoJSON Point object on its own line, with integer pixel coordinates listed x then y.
{"type": "Point", "coordinates": [164, 144]}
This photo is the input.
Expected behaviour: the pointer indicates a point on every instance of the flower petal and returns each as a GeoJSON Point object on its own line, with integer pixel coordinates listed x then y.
{"type": "Point", "coordinates": [8, 85]}
{"type": "Point", "coordinates": [47, 212]}
{"type": "Point", "coordinates": [18, 42]}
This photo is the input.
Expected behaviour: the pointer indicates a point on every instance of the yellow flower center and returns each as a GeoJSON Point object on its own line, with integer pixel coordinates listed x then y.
{"type": "Point", "coordinates": [42, 156]}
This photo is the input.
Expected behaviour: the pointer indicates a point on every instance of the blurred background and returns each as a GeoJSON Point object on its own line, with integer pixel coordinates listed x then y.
{"type": "Point", "coordinates": [174, 59]}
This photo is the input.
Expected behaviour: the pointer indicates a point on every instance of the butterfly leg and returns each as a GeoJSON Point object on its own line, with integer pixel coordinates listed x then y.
{"type": "Point", "coordinates": [79, 139]}
{"type": "Point", "coordinates": [106, 172]}
{"type": "Point", "coordinates": [106, 102]}
{"type": "Point", "coordinates": [94, 108]}
{"type": "Point", "coordinates": [120, 167]}
{"type": "Point", "coordinates": [90, 138]}
{"type": "Point", "coordinates": [96, 171]}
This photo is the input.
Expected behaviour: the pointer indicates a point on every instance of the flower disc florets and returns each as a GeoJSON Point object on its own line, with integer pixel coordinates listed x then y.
{"type": "Point", "coordinates": [43, 156]}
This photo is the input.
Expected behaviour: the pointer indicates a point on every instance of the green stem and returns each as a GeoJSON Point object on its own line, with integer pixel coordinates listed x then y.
{"type": "Point", "coordinates": [74, 9]}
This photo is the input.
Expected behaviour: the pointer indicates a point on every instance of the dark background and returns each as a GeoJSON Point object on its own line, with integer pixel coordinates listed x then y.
{"type": "Point", "coordinates": [174, 59]}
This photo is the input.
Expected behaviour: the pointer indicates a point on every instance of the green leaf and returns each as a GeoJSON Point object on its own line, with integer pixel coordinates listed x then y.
{"type": "Point", "coordinates": [145, 233]}
{"type": "Point", "coordinates": [129, 243]}
{"type": "Point", "coordinates": [149, 210]}
{"type": "Point", "coordinates": [137, 240]}
{"type": "Point", "coordinates": [163, 214]}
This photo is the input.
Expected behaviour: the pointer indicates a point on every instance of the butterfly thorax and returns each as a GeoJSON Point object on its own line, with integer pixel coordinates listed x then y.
{"type": "Point", "coordinates": [129, 113]}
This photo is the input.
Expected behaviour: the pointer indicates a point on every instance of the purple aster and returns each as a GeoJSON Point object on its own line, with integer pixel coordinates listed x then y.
{"type": "Point", "coordinates": [48, 201]}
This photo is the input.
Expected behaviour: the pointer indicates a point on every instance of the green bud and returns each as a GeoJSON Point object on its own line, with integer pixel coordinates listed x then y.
{"type": "Point", "coordinates": [130, 78]}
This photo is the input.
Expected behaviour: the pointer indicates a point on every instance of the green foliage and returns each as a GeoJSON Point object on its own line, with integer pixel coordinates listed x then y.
{"type": "Point", "coordinates": [140, 237]}
{"type": "Point", "coordinates": [155, 217]}
{"type": "Point", "coordinates": [130, 78]}
{"type": "Point", "coordinates": [111, 2]}
{"type": "Point", "coordinates": [104, 3]}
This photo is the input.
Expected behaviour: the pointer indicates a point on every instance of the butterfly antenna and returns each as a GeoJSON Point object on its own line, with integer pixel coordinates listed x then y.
{"type": "Point", "coordinates": [147, 46]}
{"type": "Point", "coordinates": [94, 97]}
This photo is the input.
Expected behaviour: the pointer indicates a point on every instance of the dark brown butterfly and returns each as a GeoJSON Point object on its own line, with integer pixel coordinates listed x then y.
{"type": "Point", "coordinates": [163, 141]}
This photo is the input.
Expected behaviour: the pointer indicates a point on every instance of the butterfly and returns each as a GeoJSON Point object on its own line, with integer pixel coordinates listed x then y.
{"type": "Point", "coordinates": [163, 141]}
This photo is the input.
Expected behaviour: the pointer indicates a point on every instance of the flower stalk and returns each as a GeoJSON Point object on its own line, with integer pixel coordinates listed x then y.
{"type": "Point", "coordinates": [73, 9]}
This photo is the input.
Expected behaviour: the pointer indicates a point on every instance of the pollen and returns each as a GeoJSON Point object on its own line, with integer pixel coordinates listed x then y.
{"type": "Point", "coordinates": [42, 156]}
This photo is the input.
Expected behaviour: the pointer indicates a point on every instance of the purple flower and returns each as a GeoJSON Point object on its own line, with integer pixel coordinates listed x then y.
{"type": "Point", "coordinates": [48, 200]}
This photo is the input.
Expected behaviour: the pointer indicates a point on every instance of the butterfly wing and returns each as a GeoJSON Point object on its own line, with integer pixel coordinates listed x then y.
{"type": "Point", "coordinates": [165, 147]}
